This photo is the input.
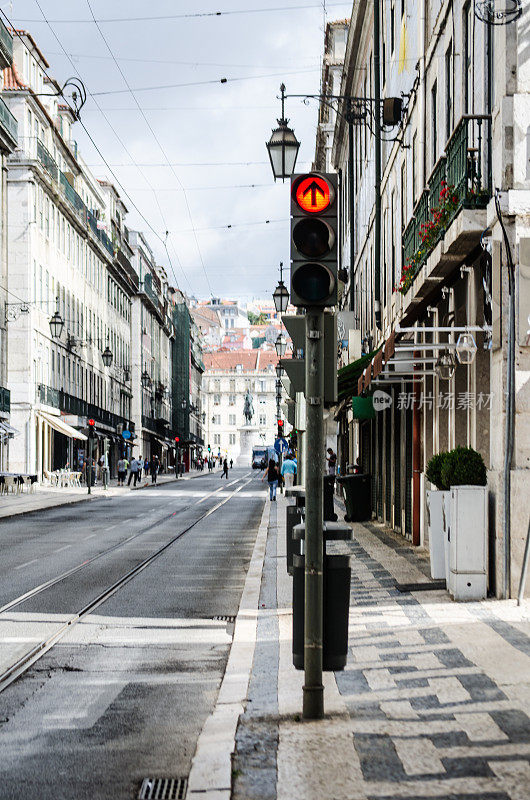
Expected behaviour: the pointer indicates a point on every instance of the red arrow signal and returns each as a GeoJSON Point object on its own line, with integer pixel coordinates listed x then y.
{"type": "Point", "coordinates": [312, 193]}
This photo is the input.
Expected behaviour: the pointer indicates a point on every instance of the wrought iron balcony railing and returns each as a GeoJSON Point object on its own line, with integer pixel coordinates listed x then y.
{"type": "Point", "coordinates": [461, 178]}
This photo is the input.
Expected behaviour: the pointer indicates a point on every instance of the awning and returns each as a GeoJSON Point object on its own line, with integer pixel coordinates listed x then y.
{"type": "Point", "coordinates": [7, 430]}
{"type": "Point", "coordinates": [62, 427]}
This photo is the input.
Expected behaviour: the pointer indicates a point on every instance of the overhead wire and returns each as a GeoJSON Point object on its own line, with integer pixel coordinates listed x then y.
{"type": "Point", "coordinates": [155, 137]}
{"type": "Point", "coordinates": [122, 143]}
{"type": "Point", "coordinates": [90, 137]}
{"type": "Point", "coordinates": [196, 15]}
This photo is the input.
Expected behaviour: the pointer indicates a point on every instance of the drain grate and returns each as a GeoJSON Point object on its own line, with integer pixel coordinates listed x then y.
{"type": "Point", "coordinates": [163, 789]}
{"type": "Point", "coordinates": [225, 617]}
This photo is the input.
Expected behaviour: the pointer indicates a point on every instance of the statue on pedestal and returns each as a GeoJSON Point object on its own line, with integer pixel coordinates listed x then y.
{"type": "Point", "coordinates": [248, 409]}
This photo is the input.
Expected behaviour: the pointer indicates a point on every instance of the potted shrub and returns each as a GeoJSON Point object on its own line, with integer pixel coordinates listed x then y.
{"type": "Point", "coordinates": [437, 499]}
{"type": "Point", "coordinates": [464, 471]}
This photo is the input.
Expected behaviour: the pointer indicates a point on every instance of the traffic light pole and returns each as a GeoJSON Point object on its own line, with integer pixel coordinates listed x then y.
{"type": "Point", "coordinates": [313, 691]}
{"type": "Point", "coordinates": [89, 460]}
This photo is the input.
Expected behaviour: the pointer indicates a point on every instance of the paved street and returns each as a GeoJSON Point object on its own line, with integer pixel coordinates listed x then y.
{"type": "Point", "coordinates": [124, 694]}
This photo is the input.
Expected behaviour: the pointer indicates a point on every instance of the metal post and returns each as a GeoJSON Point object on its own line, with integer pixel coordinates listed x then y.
{"type": "Point", "coordinates": [377, 170]}
{"type": "Point", "coordinates": [313, 692]}
{"type": "Point", "coordinates": [89, 462]}
{"type": "Point", "coordinates": [351, 200]}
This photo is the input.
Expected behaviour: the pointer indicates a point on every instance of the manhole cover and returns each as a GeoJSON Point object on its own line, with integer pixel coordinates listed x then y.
{"type": "Point", "coordinates": [163, 789]}
{"type": "Point", "coordinates": [225, 617]}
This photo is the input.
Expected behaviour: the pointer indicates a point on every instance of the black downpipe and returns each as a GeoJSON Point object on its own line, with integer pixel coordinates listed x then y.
{"type": "Point", "coordinates": [351, 206]}
{"type": "Point", "coordinates": [377, 153]}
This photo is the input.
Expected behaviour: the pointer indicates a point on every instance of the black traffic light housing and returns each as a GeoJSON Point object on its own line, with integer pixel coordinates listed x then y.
{"type": "Point", "coordinates": [314, 235]}
{"type": "Point", "coordinates": [280, 429]}
{"type": "Point", "coordinates": [91, 424]}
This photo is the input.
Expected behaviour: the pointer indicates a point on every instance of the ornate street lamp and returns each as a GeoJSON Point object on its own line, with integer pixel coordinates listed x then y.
{"type": "Point", "coordinates": [280, 345]}
{"type": "Point", "coordinates": [281, 294]}
{"type": "Point", "coordinates": [445, 366]}
{"type": "Point", "coordinates": [56, 323]}
{"type": "Point", "coordinates": [283, 146]}
{"type": "Point", "coordinates": [107, 356]}
{"type": "Point", "coordinates": [466, 348]}
{"type": "Point", "coordinates": [146, 379]}
{"type": "Point", "coordinates": [279, 370]}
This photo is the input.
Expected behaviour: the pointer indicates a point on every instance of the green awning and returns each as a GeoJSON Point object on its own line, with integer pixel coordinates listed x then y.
{"type": "Point", "coordinates": [363, 408]}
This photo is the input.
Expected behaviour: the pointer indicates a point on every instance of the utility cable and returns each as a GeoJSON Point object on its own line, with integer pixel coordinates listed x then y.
{"type": "Point", "coordinates": [155, 137]}
{"type": "Point", "coordinates": [122, 143]}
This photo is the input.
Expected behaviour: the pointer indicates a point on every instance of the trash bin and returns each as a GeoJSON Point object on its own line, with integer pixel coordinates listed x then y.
{"type": "Point", "coordinates": [337, 576]}
{"type": "Point", "coordinates": [357, 496]}
{"type": "Point", "coordinates": [329, 487]}
{"type": "Point", "coordinates": [294, 517]}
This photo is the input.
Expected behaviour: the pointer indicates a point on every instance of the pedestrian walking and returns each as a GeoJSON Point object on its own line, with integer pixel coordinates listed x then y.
{"type": "Point", "coordinates": [231, 463]}
{"type": "Point", "coordinates": [133, 473]}
{"type": "Point", "coordinates": [122, 470]}
{"type": "Point", "coordinates": [154, 466]}
{"type": "Point", "coordinates": [225, 470]}
{"type": "Point", "coordinates": [332, 461]}
{"type": "Point", "coordinates": [140, 467]}
{"type": "Point", "coordinates": [272, 478]}
{"type": "Point", "coordinates": [288, 471]}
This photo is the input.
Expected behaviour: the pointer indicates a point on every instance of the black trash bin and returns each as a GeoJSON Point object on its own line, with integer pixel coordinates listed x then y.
{"type": "Point", "coordinates": [337, 577]}
{"type": "Point", "coordinates": [329, 488]}
{"type": "Point", "coordinates": [294, 517]}
{"type": "Point", "coordinates": [357, 497]}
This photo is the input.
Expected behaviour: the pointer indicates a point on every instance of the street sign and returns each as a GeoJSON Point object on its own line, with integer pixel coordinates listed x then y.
{"type": "Point", "coordinates": [126, 434]}
{"type": "Point", "coordinates": [281, 446]}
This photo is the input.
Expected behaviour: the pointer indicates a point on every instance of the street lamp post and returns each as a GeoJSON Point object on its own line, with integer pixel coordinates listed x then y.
{"type": "Point", "coordinates": [283, 146]}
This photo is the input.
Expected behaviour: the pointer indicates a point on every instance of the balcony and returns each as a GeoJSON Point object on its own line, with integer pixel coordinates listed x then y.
{"type": "Point", "coordinates": [8, 127]}
{"type": "Point", "coordinates": [5, 400]}
{"type": "Point", "coordinates": [47, 396]}
{"type": "Point", "coordinates": [70, 194]}
{"type": "Point", "coordinates": [6, 47]}
{"type": "Point", "coordinates": [461, 179]}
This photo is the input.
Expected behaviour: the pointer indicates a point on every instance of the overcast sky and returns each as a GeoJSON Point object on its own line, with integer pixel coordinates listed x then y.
{"type": "Point", "coordinates": [213, 134]}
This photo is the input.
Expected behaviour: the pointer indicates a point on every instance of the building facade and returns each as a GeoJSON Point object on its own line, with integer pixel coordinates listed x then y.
{"type": "Point", "coordinates": [60, 260]}
{"type": "Point", "coordinates": [227, 379]}
{"type": "Point", "coordinates": [423, 243]}
{"type": "Point", "coordinates": [10, 305]}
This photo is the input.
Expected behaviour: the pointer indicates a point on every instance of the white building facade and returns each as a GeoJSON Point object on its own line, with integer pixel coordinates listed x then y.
{"type": "Point", "coordinates": [227, 379]}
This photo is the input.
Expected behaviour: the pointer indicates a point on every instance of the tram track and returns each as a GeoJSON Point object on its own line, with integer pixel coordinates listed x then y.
{"type": "Point", "coordinates": [14, 671]}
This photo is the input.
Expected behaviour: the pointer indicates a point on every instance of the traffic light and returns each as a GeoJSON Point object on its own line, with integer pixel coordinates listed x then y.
{"type": "Point", "coordinates": [209, 449]}
{"type": "Point", "coordinates": [91, 426]}
{"type": "Point", "coordinates": [280, 429]}
{"type": "Point", "coordinates": [314, 234]}
{"type": "Point", "coordinates": [177, 439]}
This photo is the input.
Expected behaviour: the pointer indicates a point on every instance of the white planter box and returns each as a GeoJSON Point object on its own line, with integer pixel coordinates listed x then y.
{"type": "Point", "coordinates": [468, 532]}
{"type": "Point", "coordinates": [437, 502]}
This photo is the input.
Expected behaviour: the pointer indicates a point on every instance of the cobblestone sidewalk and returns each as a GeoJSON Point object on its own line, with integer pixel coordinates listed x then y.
{"type": "Point", "coordinates": [434, 701]}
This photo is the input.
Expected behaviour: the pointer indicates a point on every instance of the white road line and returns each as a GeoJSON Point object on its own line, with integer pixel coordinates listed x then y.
{"type": "Point", "coordinates": [91, 536]}
{"type": "Point", "coordinates": [66, 546]}
{"type": "Point", "coordinates": [108, 529]}
{"type": "Point", "coordinates": [27, 563]}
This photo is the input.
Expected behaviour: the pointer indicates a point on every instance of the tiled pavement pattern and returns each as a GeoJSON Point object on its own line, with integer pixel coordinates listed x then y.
{"type": "Point", "coordinates": [428, 720]}
{"type": "Point", "coordinates": [433, 702]}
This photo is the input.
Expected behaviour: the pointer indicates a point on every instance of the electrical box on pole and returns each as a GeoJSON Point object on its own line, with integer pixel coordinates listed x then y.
{"type": "Point", "coordinates": [314, 240]}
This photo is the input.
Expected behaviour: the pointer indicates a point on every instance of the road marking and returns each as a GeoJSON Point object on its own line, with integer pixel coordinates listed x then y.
{"type": "Point", "coordinates": [66, 546]}
{"type": "Point", "coordinates": [109, 528]}
{"type": "Point", "coordinates": [91, 536]}
{"type": "Point", "coordinates": [21, 566]}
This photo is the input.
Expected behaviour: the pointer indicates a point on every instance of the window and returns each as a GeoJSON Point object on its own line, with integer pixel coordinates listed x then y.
{"type": "Point", "coordinates": [262, 400]}
{"type": "Point", "coordinates": [231, 399]}
{"type": "Point", "coordinates": [217, 438]}
{"type": "Point", "coordinates": [217, 399]}
{"type": "Point", "coordinates": [448, 92]}
{"type": "Point", "coordinates": [231, 419]}
{"type": "Point", "coordinates": [414, 169]}
{"type": "Point", "coordinates": [216, 419]}
{"type": "Point", "coordinates": [231, 438]}
{"type": "Point", "coordinates": [434, 126]}
{"type": "Point", "coordinates": [262, 419]}
{"type": "Point", "coordinates": [466, 59]}
{"type": "Point", "coordinates": [232, 385]}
